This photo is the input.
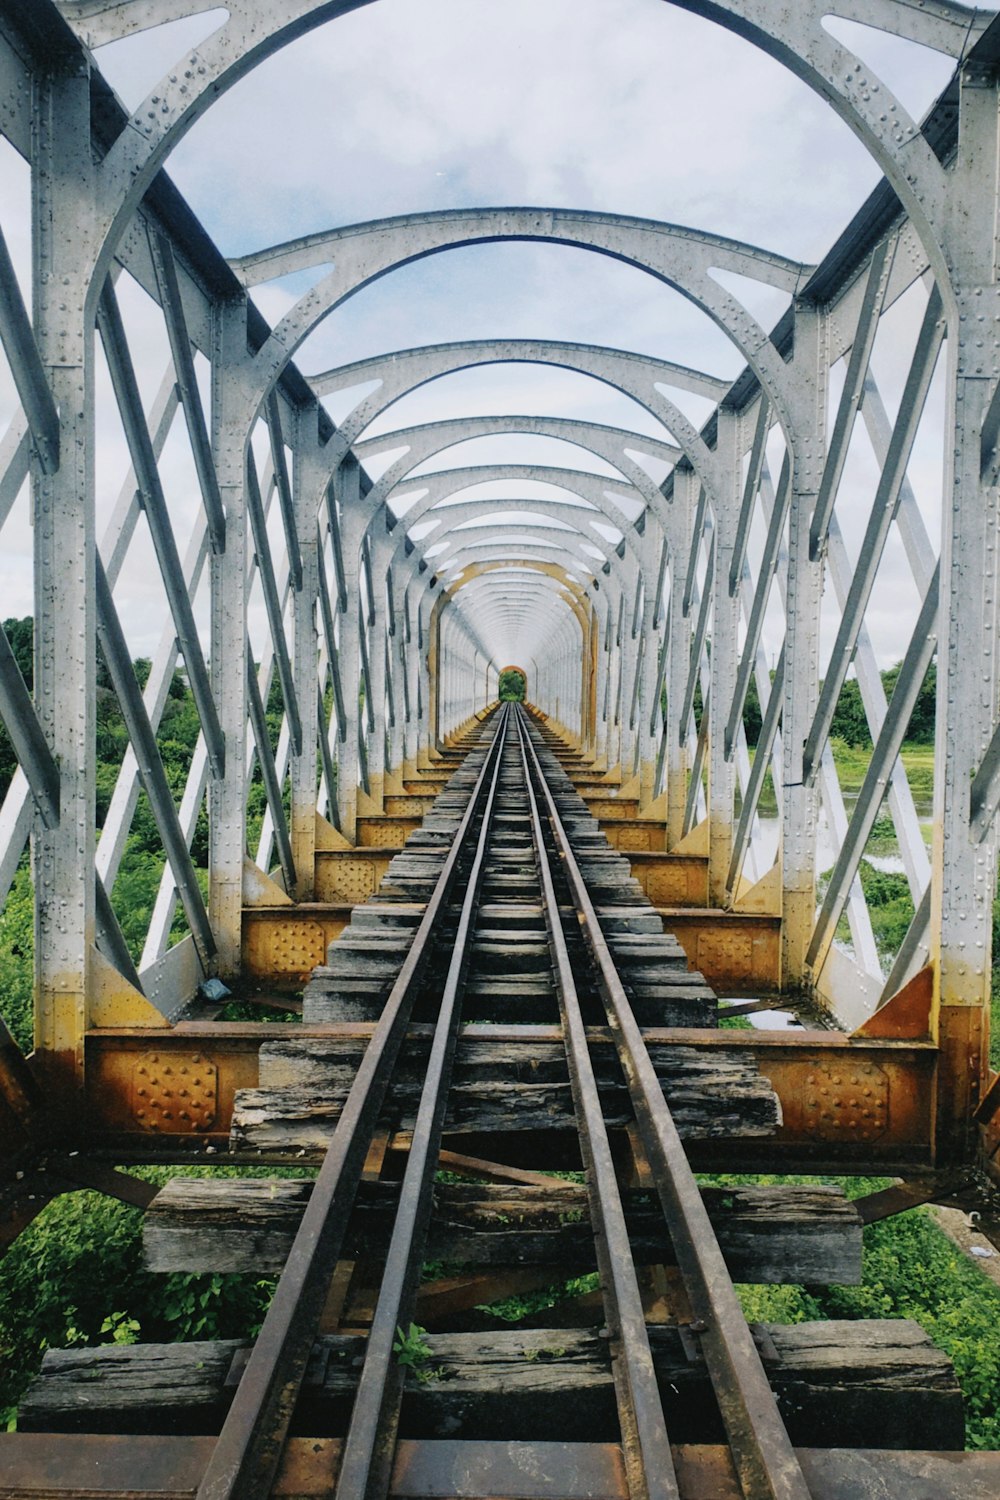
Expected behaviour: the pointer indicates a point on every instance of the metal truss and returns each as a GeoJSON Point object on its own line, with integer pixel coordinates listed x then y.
{"type": "Point", "coordinates": [334, 629]}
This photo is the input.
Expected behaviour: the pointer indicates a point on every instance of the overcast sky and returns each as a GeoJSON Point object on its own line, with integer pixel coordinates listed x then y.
{"type": "Point", "coordinates": [624, 106]}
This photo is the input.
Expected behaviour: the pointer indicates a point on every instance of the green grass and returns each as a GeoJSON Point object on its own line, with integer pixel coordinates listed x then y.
{"type": "Point", "coordinates": [910, 1270]}
{"type": "Point", "coordinates": [918, 763]}
{"type": "Point", "coordinates": [50, 1296]}
{"type": "Point", "coordinates": [852, 763]}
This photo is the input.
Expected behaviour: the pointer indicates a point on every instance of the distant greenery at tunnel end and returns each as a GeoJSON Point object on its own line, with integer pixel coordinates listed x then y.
{"type": "Point", "coordinates": [512, 686]}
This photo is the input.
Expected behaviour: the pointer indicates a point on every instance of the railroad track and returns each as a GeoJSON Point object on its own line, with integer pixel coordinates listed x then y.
{"type": "Point", "coordinates": [485, 1018]}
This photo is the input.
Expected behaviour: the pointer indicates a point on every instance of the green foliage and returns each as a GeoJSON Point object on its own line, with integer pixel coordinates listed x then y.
{"type": "Point", "coordinates": [512, 686]}
{"type": "Point", "coordinates": [910, 1270]}
{"type": "Point", "coordinates": [778, 1304]}
{"type": "Point", "coordinates": [122, 1328]}
{"type": "Point", "coordinates": [49, 1294]}
{"type": "Point", "coordinates": [850, 722]}
{"type": "Point", "coordinates": [753, 719]}
{"type": "Point", "coordinates": [890, 905]}
{"type": "Point", "coordinates": [412, 1349]}
{"type": "Point", "coordinates": [921, 726]}
{"type": "Point", "coordinates": [51, 1297]}
{"type": "Point", "coordinates": [247, 1010]}
{"type": "Point", "coordinates": [522, 1305]}
{"type": "Point", "coordinates": [17, 948]}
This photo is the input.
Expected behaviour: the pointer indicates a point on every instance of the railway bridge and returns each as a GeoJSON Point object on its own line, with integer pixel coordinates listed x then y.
{"type": "Point", "coordinates": [507, 781]}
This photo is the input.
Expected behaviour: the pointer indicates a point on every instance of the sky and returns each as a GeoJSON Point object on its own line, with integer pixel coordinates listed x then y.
{"type": "Point", "coordinates": [629, 106]}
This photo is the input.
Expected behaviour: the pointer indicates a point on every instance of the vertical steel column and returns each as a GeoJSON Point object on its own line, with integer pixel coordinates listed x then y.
{"type": "Point", "coordinates": [601, 683]}
{"type": "Point", "coordinates": [629, 575]}
{"type": "Point", "coordinates": [308, 482]}
{"type": "Point", "coordinates": [588, 682]}
{"type": "Point", "coordinates": [435, 682]}
{"type": "Point", "coordinates": [620, 633]}
{"type": "Point", "coordinates": [799, 802]}
{"type": "Point", "coordinates": [347, 492]}
{"type": "Point", "coordinates": [400, 732]}
{"type": "Point", "coordinates": [677, 645]}
{"type": "Point", "coordinates": [65, 595]}
{"type": "Point", "coordinates": [375, 800]}
{"type": "Point", "coordinates": [724, 659]}
{"type": "Point", "coordinates": [227, 795]}
{"type": "Point", "coordinates": [425, 705]}
{"type": "Point", "coordinates": [652, 551]}
{"type": "Point", "coordinates": [964, 870]}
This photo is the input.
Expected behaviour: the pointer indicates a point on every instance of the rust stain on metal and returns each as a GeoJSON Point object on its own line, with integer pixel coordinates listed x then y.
{"type": "Point", "coordinates": [350, 876]}
{"type": "Point", "coordinates": [174, 1094]}
{"type": "Point", "coordinates": [849, 1099]}
{"type": "Point", "coordinates": [734, 950]}
{"type": "Point", "coordinates": [283, 945]}
{"type": "Point", "coordinates": [907, 1014]}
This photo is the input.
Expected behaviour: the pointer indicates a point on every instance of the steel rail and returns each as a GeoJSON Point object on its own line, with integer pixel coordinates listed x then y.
{"type": "Point", "coordinates": [370, 1444]}
{"type": "Point", "coordinates": [649, 1463]}
{"type": "Point", "coordinates": [765, 1460]}
{"type": "Point", "coordinates": [248, 1450]}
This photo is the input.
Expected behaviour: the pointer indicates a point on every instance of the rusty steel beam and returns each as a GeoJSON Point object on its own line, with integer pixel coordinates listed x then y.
{"type": "Point", "coordinates": [72, 1467]}
{"type": "Point", "coordinates": [825, 1080]}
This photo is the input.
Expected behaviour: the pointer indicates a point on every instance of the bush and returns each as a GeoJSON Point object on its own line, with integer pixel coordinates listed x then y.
{"type": "Point", "coordinates": [511, 687]}
{"type": "Point", "coordinates": [50, 1296]}
{"type": "Point", "coordinates": [912, 1270]}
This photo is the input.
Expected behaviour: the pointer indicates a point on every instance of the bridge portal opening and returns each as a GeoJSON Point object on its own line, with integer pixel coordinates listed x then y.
{"type": "Point", "coordinates": [513, 685]}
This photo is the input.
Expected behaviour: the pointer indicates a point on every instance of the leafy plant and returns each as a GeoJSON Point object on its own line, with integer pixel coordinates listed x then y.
{"type": "Point", "coordinates": [413, 1352]}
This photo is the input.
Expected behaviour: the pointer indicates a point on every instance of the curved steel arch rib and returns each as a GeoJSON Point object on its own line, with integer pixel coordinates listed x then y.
{"type": "Point", "coordinates": [431, 438]}
{"type": "Point", "coordinates": [633, 375]}
{"type": "Point", "coordinates": [945, 25]}
{"type": "Point", "coordinates": [442, 563]}
{"type": "Point", "coordinates": [593, 490]}
{"type": "Point", "coordinates": [607, 564]}
{"type": "Point", "coordinates": [552, 577]}
{"type": "Point", "coordinates": [565, 595]}
{"type": "Point", "coordinates": [679, 257]}
{"type": "Point", "coordinates": [793, 35]}
{"type": "Point", "coordinates": [594, 501]}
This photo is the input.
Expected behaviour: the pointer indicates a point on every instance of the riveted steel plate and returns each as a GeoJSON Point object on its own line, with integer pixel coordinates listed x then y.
{"type": "Point", "coordinates": [609, 807]}
{"type": "Point", "coordinates": [297, 947]}
{"type": "Point", "coordinates": [850, 1100]}
{"type": "Point", "coordinates": [385, 833]}
{"type": "Point", "coordinates": [349, 877]}
{"type": "Point", "coordinates": [284, 948]}
{"type": "Point", "coordinates": [172, 1094]}
{"type": "Point", "coordinates": [682, 880]}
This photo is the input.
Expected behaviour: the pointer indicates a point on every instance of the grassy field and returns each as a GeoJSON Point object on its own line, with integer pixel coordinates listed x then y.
{"type": "Point", "coordinates": [852, 764]}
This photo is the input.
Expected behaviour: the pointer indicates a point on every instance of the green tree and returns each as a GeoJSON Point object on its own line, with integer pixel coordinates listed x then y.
{"type": "Point", "coordinates": [512, 687]}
